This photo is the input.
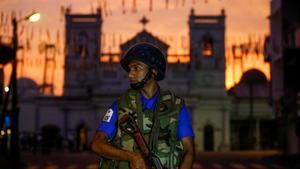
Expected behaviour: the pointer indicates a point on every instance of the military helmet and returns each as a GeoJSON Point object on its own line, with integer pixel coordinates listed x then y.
{"type": "Point", "coordinates": [148, 54]}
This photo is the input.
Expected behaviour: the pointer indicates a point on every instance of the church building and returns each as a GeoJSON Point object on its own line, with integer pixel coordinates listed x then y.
{"type": "Point", "coordinates": [94, 79]}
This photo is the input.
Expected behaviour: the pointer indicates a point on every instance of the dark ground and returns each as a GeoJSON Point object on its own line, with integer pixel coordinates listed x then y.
{"type": "Point", "coordinates": [207, 160]}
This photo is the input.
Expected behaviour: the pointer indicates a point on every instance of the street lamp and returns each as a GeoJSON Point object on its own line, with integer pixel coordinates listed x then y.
{"type": "Point", "coordinates": [15, 149]}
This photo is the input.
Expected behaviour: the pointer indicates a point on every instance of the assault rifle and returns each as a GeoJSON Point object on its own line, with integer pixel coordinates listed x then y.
{"type": "Point", "coordinates": [128, 125]}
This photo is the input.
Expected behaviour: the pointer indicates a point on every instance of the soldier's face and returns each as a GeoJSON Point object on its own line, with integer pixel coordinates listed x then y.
{"type": "Point", "coordinates": [137, 71]}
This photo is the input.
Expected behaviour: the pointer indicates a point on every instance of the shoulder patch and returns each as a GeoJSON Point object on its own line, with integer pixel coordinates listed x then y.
{"type": "Point", "coordinates": [108, 115]}
{"type": "Point", "coordinates": [177, 100]}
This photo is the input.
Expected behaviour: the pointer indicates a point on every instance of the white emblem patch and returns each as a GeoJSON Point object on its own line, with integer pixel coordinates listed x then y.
{"type": "Point", "coordinates": [108, 115]}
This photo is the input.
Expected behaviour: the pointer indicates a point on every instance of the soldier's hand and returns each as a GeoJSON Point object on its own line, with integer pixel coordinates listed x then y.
{"type": "Point", "coordinates": [137, 161]}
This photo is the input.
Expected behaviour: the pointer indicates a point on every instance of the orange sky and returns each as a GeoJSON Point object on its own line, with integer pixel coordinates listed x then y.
{"type": "Point", "coordinates": [244, 18]}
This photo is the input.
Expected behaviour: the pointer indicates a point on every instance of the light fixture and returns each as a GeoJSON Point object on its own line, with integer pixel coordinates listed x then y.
{"type": "Point", "coordinates": [6, 89]}
{"type": "Point", "coordinates": [34, 17]}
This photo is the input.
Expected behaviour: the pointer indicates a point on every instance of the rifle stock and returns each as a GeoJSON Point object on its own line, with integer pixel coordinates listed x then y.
{"type": "Point", "coordinates": [128, 124]}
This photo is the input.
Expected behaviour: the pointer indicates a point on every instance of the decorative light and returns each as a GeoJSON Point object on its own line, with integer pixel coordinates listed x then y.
{"type": "Point", "coordinates": [6, 89]}
{"type": "Point", "coordinates": [207, 50]}
{"type": "Point", "coordinates": [116, 59]}
{"type": "Point", "coordinates": [105, 59]}
{"type": "Point", "coordinates": [8, 131]}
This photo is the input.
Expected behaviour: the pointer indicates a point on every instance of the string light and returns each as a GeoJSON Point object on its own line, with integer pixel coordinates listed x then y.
{"type": "Point", "coordinates": [8, 131]}
{"type": "Point", "coordinates": [2, 132]}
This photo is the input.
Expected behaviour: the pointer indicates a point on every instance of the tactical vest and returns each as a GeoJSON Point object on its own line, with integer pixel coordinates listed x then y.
{"type": "Point", "coordinates": [159, 128]}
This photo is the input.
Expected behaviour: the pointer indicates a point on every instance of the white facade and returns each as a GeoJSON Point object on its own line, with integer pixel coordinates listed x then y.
{"type": "Point", "coordinates": [207, 90]}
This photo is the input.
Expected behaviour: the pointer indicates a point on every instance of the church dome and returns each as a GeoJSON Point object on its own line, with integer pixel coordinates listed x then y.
{"type": "Point", "coordinates": [253, 83]}
{"type": "Point", "coordinates": [27, 88]}
{"type": "Point", "coordinates": [254, 76]}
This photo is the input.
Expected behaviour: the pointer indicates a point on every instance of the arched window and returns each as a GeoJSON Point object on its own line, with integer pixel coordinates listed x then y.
{"type": "Point", "coordinates": [81, 44]}
{"type": "Point", "coordinates": [207, 46]}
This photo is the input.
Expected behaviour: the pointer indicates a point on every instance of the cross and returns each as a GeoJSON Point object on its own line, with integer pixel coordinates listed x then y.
{"type": "Point", "coordinates": [144, 21]}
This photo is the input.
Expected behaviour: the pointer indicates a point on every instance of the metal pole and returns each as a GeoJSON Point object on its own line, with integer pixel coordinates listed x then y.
{"type": "Point", "coordinates": [15, 150]}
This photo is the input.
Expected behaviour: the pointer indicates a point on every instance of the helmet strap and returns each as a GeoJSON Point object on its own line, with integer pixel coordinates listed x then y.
{"type": "Point", "coordinates": [141, 84]}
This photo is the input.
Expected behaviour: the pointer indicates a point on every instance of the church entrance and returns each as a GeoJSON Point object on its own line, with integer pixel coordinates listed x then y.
{"type": "Point", "coordinates": [51, 138]}
{"type": "Point", "coordinates": [208, 138]}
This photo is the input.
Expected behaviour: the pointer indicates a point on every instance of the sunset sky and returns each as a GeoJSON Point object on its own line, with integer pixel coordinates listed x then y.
{"type": "Point", "coordinates": [244, 19]}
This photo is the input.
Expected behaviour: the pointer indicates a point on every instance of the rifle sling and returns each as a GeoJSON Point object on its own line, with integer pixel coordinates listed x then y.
{"type": "Point", "coordinates": [155, 123]}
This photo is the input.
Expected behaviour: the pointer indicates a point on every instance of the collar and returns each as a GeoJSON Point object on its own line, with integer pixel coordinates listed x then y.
{"type": "Point", "coordinates": [150, 103]}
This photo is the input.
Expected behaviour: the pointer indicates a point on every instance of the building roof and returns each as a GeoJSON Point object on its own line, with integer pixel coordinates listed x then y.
{"type": "Point", "coordinates": [145, 36]}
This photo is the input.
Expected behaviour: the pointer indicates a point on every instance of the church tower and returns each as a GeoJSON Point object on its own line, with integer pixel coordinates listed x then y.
{"type": "Point", "coordinates": [82, 53]}
{"type": "Point", "coordinates": [207, 51]}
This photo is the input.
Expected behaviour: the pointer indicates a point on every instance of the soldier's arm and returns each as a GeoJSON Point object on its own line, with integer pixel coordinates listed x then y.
{"type": "Point", "coordinates": [102, 147]}
{"type": "Point", "coordinates": [188, 156]}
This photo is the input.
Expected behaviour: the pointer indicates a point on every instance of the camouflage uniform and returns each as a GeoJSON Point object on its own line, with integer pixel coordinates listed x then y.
{"type": "Point", "coordinates": [158, 126]}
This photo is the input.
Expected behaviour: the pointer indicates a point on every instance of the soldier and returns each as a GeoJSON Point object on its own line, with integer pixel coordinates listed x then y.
{"type": "Point", "coordinates": [162, 117]}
